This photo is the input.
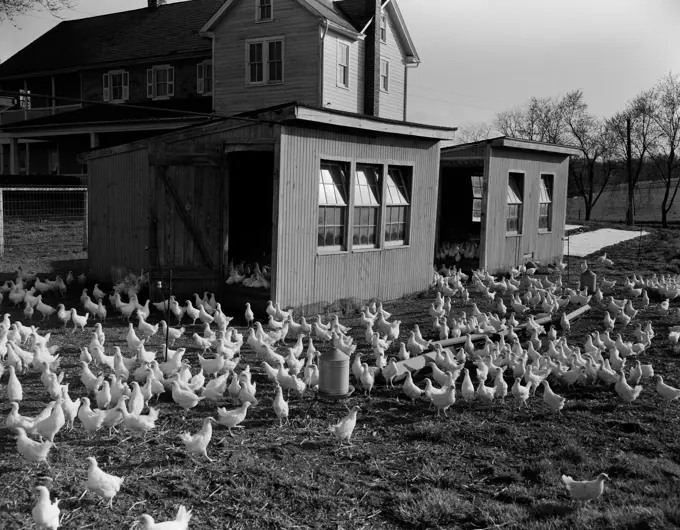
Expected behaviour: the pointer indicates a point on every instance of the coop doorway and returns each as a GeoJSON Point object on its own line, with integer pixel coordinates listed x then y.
{"type": "Point", "coordinates": [460, 216]}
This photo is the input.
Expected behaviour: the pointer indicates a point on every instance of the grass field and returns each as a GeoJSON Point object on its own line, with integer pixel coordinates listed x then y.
{"type": "Point", "coordinates": [407, 468]}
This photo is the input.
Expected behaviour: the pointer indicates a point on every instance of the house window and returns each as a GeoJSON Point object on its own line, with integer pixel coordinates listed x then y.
{"type": "Point", "coordinates": [160, 82]}
{"type": "Point", "coordinates": [263, 10]}
{"type": "Point", "coordinates": [366, 206]}
{"type": "Point", "coordinates": [116, 86]}
{"type": "Point", "coordinates": [515, 200]}
{"type": "Point", "coordinates": [265, 61]}
{"type": "Point", "coordinates": [24, 99]}
{"type": "Point", "coordinates": [383, 28]}
{"type": "Point", "coordinates": [384, 75]}
{"type": "Point", "coordinates": [477, 189]}
{"type": "Point", "coordinates": [397, 199]}
{"type": "Point", "coordinates": [545, 203]}
{"type": "Point", "coordinates": [333, 199]}
{"type": "Point", "coordinates": [343, 64]}
{"type": "Point", "coordinates": [204, 77]}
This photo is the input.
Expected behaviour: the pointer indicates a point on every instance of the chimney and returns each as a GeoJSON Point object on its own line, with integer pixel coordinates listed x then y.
{"type": "Point", "coordinates": [372, 62]}
{"type": "Point", "coordinates": [152, 5]}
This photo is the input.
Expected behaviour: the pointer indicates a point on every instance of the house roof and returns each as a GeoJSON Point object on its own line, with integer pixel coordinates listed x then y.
{"type": "Point", "coordinates": [325, 9]}
{"type": "Point", "coordinates": [140, 35]}
{"type": "Point", "coordinates": [155, 114]}
{"type": "Point", "coordinates": [292, 113]}
{"type": "Point", "coordinates": [515, 143]}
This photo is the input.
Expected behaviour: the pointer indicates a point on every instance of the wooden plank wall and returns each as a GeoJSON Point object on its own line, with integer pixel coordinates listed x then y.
{"type": "Point", "coordinates": [119, 220]}
{"type": "Point", "coordinates": [301, 57]}
{"type": "Point", "coordinates": [502, 251]}
{"type": "Point", "coordinates": [308, 279]}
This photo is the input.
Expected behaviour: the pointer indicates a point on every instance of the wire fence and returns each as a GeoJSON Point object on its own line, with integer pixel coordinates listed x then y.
{"type": "Point", "coordinates": [42, 223]}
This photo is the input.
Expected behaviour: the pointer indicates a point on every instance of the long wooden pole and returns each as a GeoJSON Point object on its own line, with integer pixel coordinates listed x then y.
{"type": "Point", "coordinates": [2, 225]}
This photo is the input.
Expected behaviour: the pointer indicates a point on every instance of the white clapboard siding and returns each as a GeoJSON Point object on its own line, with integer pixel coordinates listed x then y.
{"type": "Point", "coordinates": [392, 101]}
{"type": "Point", "coordinates": [349, 99]}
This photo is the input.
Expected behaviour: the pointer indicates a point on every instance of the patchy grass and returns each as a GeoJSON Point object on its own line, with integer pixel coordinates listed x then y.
{"type": "Point", "coordinates": [408, 468]}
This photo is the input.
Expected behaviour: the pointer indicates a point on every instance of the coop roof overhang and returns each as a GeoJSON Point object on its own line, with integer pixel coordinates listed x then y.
{"type": "Point", "coordinates": [450, 153]}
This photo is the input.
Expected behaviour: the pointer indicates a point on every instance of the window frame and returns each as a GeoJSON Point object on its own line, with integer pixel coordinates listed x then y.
{"type": "Point", "coordinates": [408, 188]}
{"type": "Point", "coordinates": [339, 64]}
{"type": "Point", "coordinates": [520, 204]}
{"type": "Point", "coordinates": [24, 99]}
{"type": "Point", "coordinates": [383, 28]}
{"type": "Point", "coordinates": [379, 170]}
{"type": "Point", "coordinates": [107, 86]}
{"type": "Point", "coordinates": [551, 194]}
{"type": "Point", "coordinates": [152, 83]}
{"type": "Point", "coordinates": [346, 167]}
{"type": "Point", "coordinates": [202, 69]}
{"type": "Point", "coordinates": [265, 60]}
{"type": "Point", "coordinates": [384, 86]}
{"type": "Point", "coordinates": [258, 10]}
{"type": "Point", "coordinates": [476, 197]}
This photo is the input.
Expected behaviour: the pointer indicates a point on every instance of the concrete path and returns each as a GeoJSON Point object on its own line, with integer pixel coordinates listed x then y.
{"type": "Point", "coordinates": [572, 227]}
{"type": "Point", "coordinates": [583, 244]}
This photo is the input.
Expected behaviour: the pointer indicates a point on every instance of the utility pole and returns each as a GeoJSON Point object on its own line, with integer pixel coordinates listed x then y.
{"type": "Point", "coordinates": [630, 214]}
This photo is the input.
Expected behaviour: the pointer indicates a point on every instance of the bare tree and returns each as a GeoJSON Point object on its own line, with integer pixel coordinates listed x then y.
{"type": "Point", "coordinates": [474, 132]}
{"type": "Point", "coordinates": [634, 134]}
{"type": "Point", "coordinates": [666, 150]}
{"type": "Point", "coordinates": [590, 171]}
{"type": "Point", "coordinates": [10, 9]}
{"type": "Point", "coordinates": [539, 119]}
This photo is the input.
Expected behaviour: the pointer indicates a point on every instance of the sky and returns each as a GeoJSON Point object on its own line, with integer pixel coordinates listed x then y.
{"type": "Point", "coordinates": [480, 57]}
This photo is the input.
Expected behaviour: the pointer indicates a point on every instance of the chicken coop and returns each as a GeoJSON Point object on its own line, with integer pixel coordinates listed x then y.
{"type": "Point", "coordinates": [502, 202]}
{"type": "Point", "coordinates": [295, 204]}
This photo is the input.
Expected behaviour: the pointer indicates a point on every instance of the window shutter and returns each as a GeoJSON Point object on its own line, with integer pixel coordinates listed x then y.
{"type": "Point", "coordinates": [200, 78]}
{"type": "Point", "coordinates": [126, 86]}
{"type": "Point", "coordinates": [171, 81]}
{"type": "Point", "coordinates": [106, 92]}
{"type": "Point", "coordinates": [149, 83]}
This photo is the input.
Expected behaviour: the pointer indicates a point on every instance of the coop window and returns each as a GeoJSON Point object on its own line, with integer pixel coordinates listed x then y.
{"type": "Point", "coordinates": [265, 61]}
{"type": "Point", "coordinates": [515, 199]}
{"type": "Point", "coordinates": [477, 188]}
{"type": "Point", "coordinates": [204, 77]}
{"type": "Point", "coordinates": [333, 199]}
{"type": "Point", "coordinates": [366, 206]}
{"type": "Point", "coordinates": [545, 203]}
{"type": "Point", "coordinates": [160, 82]}
{"type": "Point", "coordinates": [116, 86]}
{"type": "Point", "coordinates": [343, 65]}
{"type": "Point", "coordinates": [263, 10]}
{"type": "Point", "coordinates": [398, 205]}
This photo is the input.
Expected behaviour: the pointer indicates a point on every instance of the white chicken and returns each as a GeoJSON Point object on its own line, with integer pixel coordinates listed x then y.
{"type": "Point", "coordinates": [181, 521]}
{"type": "Point", "coordinates": [345, 427]}
{"type": "Point", "coordinates": [100, 483]}
{"type": "Point", "coordinates": [45, 513]}
{"type": "Point", "coordinates": [585, 490]}
{"type": "Point", "coordinates": [197, 444]}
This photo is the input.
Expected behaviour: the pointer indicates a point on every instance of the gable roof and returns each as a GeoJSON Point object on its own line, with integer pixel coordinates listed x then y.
{"type": "Point", "coordinates": [140, 35]}
{"type": "Point", "coordinates": [515, 143]}
{"type": "Point", "coordinates": [323, 9]}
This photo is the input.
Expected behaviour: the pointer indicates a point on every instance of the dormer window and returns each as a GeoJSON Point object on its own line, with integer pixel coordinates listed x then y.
{"type": "Point", "coordinates": [264, 10]}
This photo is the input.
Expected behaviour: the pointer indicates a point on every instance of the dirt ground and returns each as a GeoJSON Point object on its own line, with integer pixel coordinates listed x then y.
{"type": "Point", "coordinates": [408, 468]}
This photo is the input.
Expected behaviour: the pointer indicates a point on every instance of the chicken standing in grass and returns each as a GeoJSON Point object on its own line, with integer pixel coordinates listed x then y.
{"type": "Point", "coordinates": [100, 483]}
{"type": "Point", "coordinates": [625, 391]}
{"type": "Point", "coordinates": [45, 513]}
{"type": "Point", "coordinates": [585, 490]}
{"type": "Point", "coordinates": [280, 406]}
{"type": "Point", "coordinates": [31, 450]}
{"type": "Point", "coordinates": [554, 402]}
{"type": "Point", "coordinates": [345, 427]}
{"type": "Point", "coordinates": [197, 444]}
{"type": "Point", "coordinates": [232, 418]}
{"type": "Point", "coordinates": [181, 521]}
{"type": "Point", "coordinates": [667, 392]}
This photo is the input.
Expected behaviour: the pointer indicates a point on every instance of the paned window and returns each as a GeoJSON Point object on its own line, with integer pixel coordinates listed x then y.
{"type": "Point", "coordinates": [204, 77]}
{"type": "Point", "coordinates": [367, 184]}
{"type": "Point", "coordinates": [515, 200]}
{"type": "Point", "coordinates": [160, 82]}
{"type": "Point", "coordinates": [343, 64]}
{"type": "Point", "coordinates": [545, 203]}
{"type": "Point", "coordinates": [383, 28]}
{"type": "Point", "coordinates": [263, 10]}
{"type": "Point", "coordinates": [477, 190]}
{"type": "Point", "coordinates": [265, 61]}
{"type": "Point", "coordinates": [398, 205]}
{"type": "Point", "coordinates": [24, 99]}
{"type": "Point", "coordinates": [116, 86]}
{"type": "Point", "coordinates": [333, 200]}
{"type": "Point", "coordinates": [384, 75]}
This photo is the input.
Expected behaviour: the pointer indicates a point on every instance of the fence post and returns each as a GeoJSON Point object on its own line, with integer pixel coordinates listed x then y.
{"type": "Point", "coordinates": [85, 221]}
{"type": "Point", "coordinates": [2, 226]}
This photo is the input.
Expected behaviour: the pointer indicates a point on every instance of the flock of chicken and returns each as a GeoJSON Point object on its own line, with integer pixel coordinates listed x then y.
{"type": "Point", "coordinates": [127, 385]}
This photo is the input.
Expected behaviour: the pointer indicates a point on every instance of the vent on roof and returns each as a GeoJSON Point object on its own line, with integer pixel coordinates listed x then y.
{"type": "Point", "coordinates": [153, 5]}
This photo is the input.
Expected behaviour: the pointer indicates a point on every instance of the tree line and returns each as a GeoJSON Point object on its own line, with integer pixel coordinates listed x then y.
{"type": "Point", "coordinates": [641, 139]}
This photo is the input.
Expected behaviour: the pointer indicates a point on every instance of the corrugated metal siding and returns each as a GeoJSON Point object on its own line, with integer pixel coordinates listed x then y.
{"type": "Point", "coordinates": [392, 102]}
{"type": "Point", "coordinates": [118, 202]}
{"type": "Point", "coordinates": [501, 251]}
{"type": "Point", "coordinates": [335, 97]}
{"type": "Point", "coordinates": [305, 278]}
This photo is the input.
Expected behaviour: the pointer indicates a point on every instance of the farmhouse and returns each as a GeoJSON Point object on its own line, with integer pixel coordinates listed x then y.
{"type": "Point", "coordinates": [502, 202]}
{"type": "Point", "coordinates": [337, 205]}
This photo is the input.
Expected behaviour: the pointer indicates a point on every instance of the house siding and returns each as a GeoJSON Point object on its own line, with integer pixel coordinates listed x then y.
{"type": "Point", "coordinates": [301, 57]}
{"type": "Point", "coordinates": [503, 251]}
{"type": "Point", "coordinates": [335, 97]}
{"type": "Point", "coordinates": [310, 280]}
{"type": "Point", "coordinates": [392, 101]}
